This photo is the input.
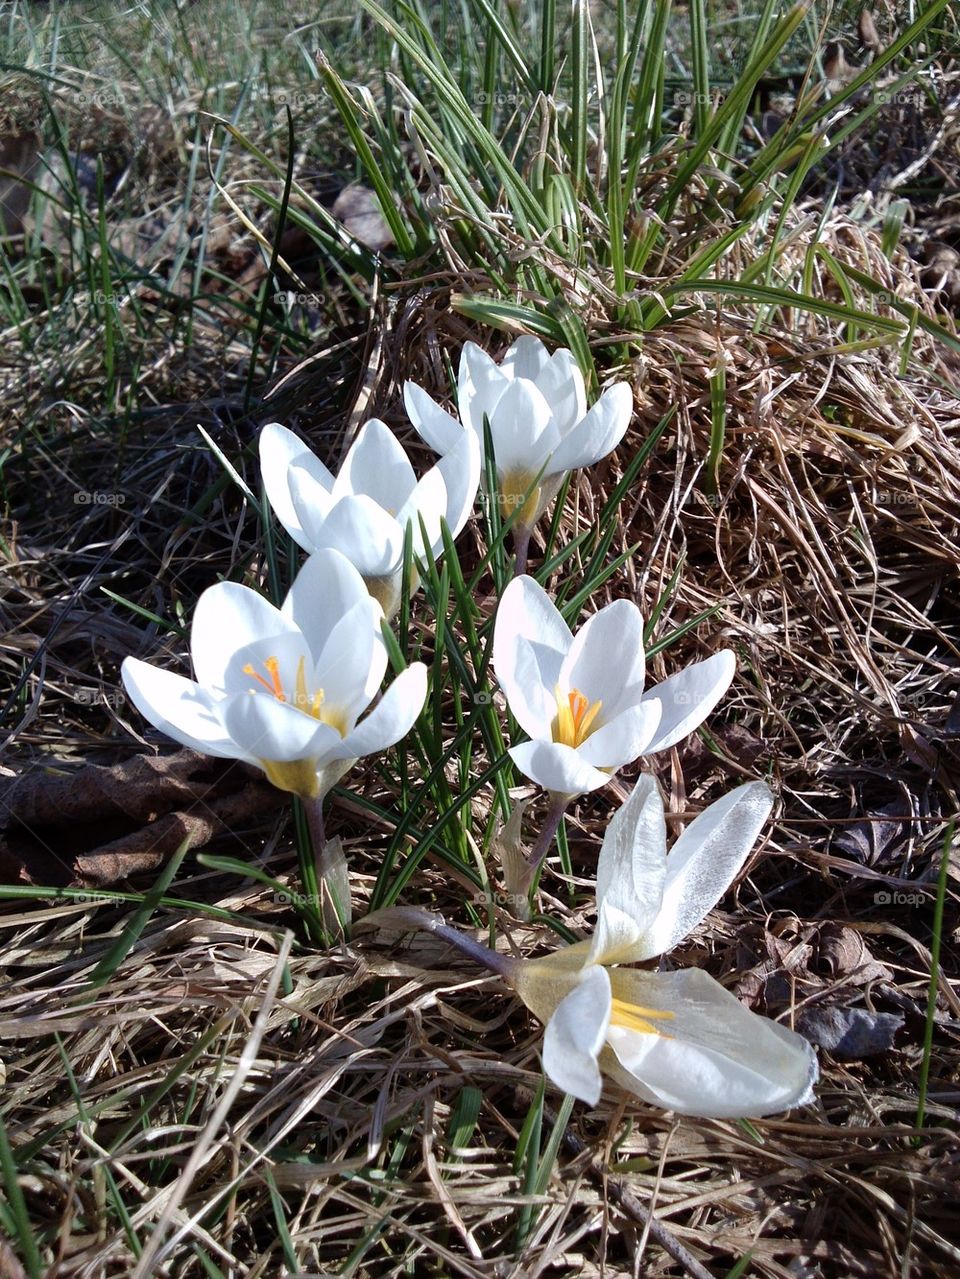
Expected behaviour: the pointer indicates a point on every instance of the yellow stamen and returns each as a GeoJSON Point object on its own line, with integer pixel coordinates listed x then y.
{"type": "Point", "coordinates": [632, 1017]}
{"type": "Point", "coordinates": [304, 700]}
{"type": "Point", "coordinates": [575, 717]}
{"type": "Point", "coordinates": [275, 686]}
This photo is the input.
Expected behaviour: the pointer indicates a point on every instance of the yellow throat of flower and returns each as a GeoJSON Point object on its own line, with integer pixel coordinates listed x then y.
{"type": "Point", "coordinates": [576, 716]}
{"type": "Point", "coordinates": [298, 775]}
{"type": "Point", "coordinates": [633, 1017]}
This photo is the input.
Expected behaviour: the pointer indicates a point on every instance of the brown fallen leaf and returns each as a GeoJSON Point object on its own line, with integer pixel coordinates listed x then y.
{"type": "Point", "coordinates": [99, 824]}
{"type": "Point", "coordinates": [358, 208]}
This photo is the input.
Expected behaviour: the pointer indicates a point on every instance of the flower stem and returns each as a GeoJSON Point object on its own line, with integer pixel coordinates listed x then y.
{"type": "Point", "coordinates": [521, 545]}
{"type": "Point", "coordinates": [313, 808]}
{"type": "Point", "coordinates": [413, 917]}
{"type": "Point", "coordinates": [551, 824]}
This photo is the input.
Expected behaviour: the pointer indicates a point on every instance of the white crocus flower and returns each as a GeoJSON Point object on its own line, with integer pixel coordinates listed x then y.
{"type": "Point", "coordinates": [677, 1039]}
{"type": "Point", "coordinates": [536, 406]}
{"type": "Point", "coordinates": [365, 510]}
{"type": "Point", "coordinates": [581, 697]}
{"type": "Point", "coordinates": [283, 688]}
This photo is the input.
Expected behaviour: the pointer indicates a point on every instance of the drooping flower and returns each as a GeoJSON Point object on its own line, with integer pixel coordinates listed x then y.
{"type": "Point", "coordinates": [677, 1039]}
{"type": "Point", "coordinates": [536, 406]}
{"type": "Point", "coordinates": [365, 510]}
{"type": "Point", "coordinates": [581, 698]}
{"type": "Point", "coordinates": [284, 688]}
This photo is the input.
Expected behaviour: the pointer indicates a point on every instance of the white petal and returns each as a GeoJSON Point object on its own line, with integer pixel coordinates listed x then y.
{"type": "Point", "coordinates": [527, 357]}
{"type": "Point", "coordinates": [461, 469]}
{"type": "Point", "coordinates": [392, 717]}
{"type": "Point", "coordinates": [721, 1061]}
{"type": "Point", "coordinates": [526, 610]}
{"type": "Point", "coordinates": [433, 424]}
{"type": "Point", "coordinates": [557, 768]}
{"type": "Point", "coordinates": [479, 386]}
{"type": "Point", "coordinates": [428, 503]}
{"type": "Point", "coordinates": [575, 1035]}
{"type": "Point", "coordinates": [327, 587]}
{"type": "Point", "coordinates": [268, 729]}
{"type": "Point", "coordinates": [523, 431]}
{"type": "Point", "coordinates": [376, 466]}
{"type": "Point", "coordinates": [527, 684]}
{"type": "Point", "coordinates": [343, 668]}
{"type": "Point", "coordinates": [364, 532]}
{"type": "Point", "coordinates": [689, 696]}
{"type": "Point", "coordinates": [279, 450]}
{"type": "Point", "coordinates": [704, 862]}
{"type": "Point", "coordinates": [178, 707]}
{"type": "Point", "coordinates": [630, 875]}
{"type": "Point", "coordinates": [624, 739]}
{"type": "Point", "coordinates": [605, 661]}
{"type": "Point", "coordinates": [228, 617]}
{"type": "Point", "coordinates": [561, 383]}
{"type": "Point", "coordinates": [597, 434]}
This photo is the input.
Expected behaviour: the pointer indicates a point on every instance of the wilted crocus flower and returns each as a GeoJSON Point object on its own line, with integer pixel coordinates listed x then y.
{"type": "Point", "coordinates": [283, 688]}
{"type": "Point", "coordinates": [365, 510]}
{"type": "Point", "coordinates": [677, 1039]}
{"type": "Point", "coordinates": [536, 406]}
{"type": "Point", "coordinates": [581, 697]}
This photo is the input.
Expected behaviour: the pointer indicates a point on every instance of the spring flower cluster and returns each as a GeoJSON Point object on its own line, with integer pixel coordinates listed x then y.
{"type": "Point", "coordinates": [297, 691]}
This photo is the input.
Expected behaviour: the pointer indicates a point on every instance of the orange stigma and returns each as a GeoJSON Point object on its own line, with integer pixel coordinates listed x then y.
{"type": "Point", "coordinates": [274, 686]}
{"type": "Point", "coordinates": [576, 716]}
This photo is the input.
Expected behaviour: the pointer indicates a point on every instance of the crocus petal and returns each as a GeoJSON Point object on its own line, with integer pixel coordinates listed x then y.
{"type": "Point", "coordinates": [377, 466]}
{"type": "Point", "coordinates": [689, 696]}
{"type": "Point", "coordinates": [460, 469]}
{"type": "Point", "coordinates": [575, 1034]}
{"type": "Point", "coordinates": [523, 431]}
{"type": "Point", "coordinates": [527, 357]}
{"type": "Point", "coordinates": [178, 707]}
{"type": "Point", "coordinates": [624, 739]}
{"type": "Point", "coordinates": [342, 671]}
{"type": "Point", "coordinates": [279, 450]}
{"type": "Point", "coordinates": [704, 862]}
{"type": "Point", "coordinates": [480, 385]}
{"type": "Point", "coordinates": [557, 768]}
{"type": "Point", "coordinates": [630, 875]}
{"type": "Point", "coordinates": [720, 1059]}
{"type": "Point", "coordinates": [597, 434]}
{"type": "Point", "coordinates": [528, 680]}
{"type": "Point", "coordinates": [562, 384]}
{"type": "Point", "coordinates": [392, 718]}
{"type": "Point", "coordinates": [526, 610]}
{"type": "Point", "coordinates": [327, 587]}
{"type": "Point", "coordinates": [364, 532]}
{"type": "Point", "coordinates": [268, 729]}
{"type": "Point", "coordinates": [605, 661]}
{"type": "Point", "coordinates": [227, 618]}
{"type": "Point", "coordinates": [434, 425]}
{"type": "Point", "coordinates": [427, 502]}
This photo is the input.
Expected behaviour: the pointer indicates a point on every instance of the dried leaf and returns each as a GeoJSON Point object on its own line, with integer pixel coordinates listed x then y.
{"type": "Point", "coordinates": [336, 908]}
{"type": "Point", "coordinates": [843, 953]}
{"type": "Point", "coordinates": [877, 838]}
{"type": "Point", "coordinates": [121, 820]}
{"type": "Point", "coordinates": [849, 1033]}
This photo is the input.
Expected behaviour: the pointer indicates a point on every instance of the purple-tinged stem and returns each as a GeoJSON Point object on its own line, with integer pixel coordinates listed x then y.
{"type": "Point", "coordinates": [551, 824]}
{"type": "Point", "coordinates": [413, 917]}
{"type": "Point", "coordinates": [318, 836]}
{"type": "Point", "coordinates": [521, 546]}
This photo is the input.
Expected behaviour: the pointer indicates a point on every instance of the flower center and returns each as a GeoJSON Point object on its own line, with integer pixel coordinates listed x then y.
{"type": "Point", "coordinates": [576, 716]}
{"type": "Point", "coordinates": [632, 1017]}
{"type": "Point", "coordinates": [303, 700]}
